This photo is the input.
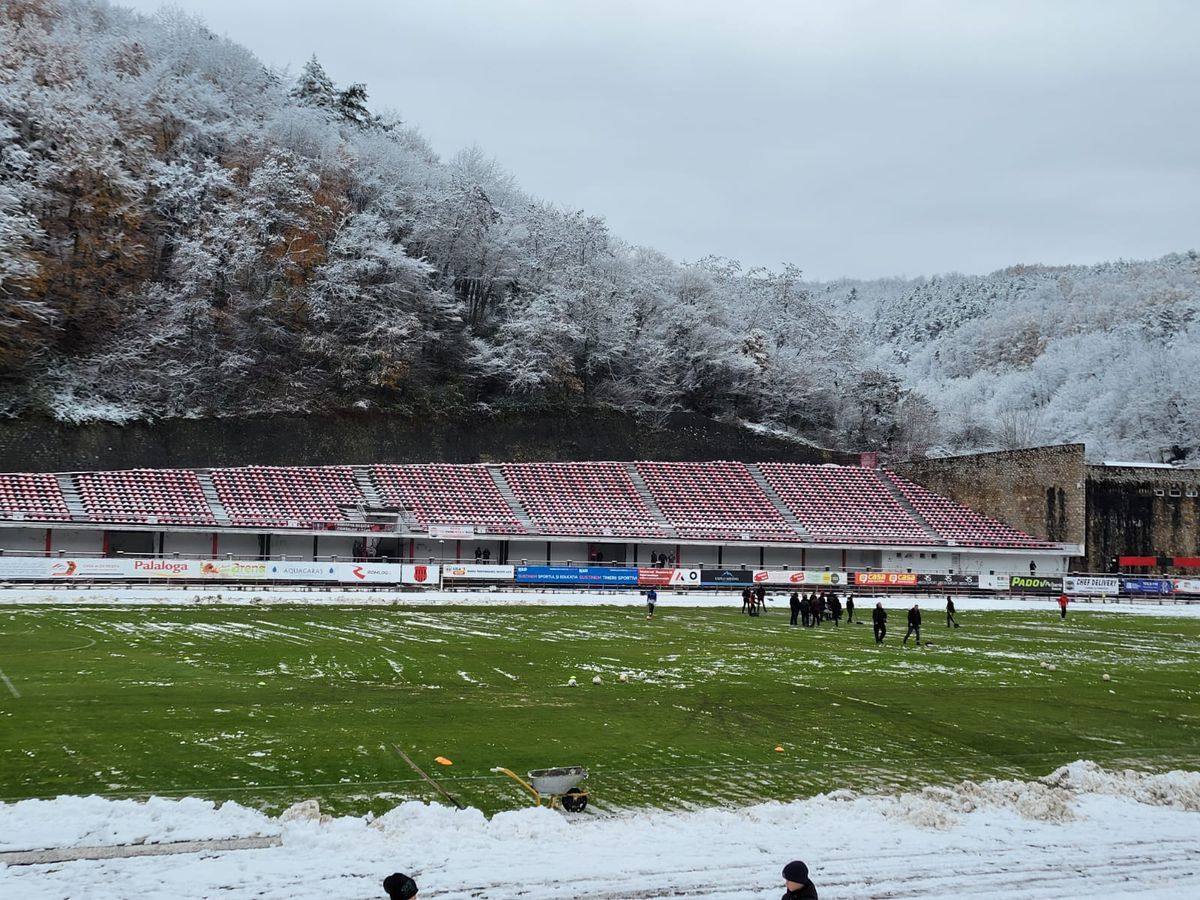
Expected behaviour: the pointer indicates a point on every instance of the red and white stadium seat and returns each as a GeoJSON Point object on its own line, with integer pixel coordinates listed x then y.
{"type": "Point", "coordinates": [145, 496]}
{"type": "Point", "coordinates": [32, 496]}
{"type": "Point", "coordinates": [288, 496]}
{"type": "Point", "coordinates": [447, 495]}
{"type": "Point", "coordinates": [592, 498]}
{"type": "Point", "coordinates": [843, 504]}
{"type": "Point", "coordinates": [717, 501]}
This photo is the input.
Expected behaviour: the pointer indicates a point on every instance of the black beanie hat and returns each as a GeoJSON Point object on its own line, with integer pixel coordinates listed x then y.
{"type": "Point", "coordinates": [795, 871]}
{"type": "Point", "coordinates": [399, 886]}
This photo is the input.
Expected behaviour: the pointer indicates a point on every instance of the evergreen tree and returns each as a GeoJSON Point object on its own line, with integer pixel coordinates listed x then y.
{"type": "Point", "coordinates": [315, 88]}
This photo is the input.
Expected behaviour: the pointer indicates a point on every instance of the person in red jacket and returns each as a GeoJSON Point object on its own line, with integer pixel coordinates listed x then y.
{"type": "Point", "coordinates": [1062, 604]}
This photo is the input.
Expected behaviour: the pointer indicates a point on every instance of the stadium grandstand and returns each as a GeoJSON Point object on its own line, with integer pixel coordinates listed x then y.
{"type": "Point", "coordinates": [719, 513]}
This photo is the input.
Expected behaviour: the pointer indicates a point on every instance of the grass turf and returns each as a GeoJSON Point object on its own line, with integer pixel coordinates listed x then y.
{"type": "Point", "coordinates": [267, 705]}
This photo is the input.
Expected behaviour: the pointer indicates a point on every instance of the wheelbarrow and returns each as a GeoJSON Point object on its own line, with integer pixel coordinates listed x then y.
{"type": "Point", "coordinates": [558, 787]}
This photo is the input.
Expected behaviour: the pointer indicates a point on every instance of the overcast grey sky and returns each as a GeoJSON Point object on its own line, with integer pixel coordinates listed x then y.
{"type": "Point", "coordinates": [856, 137]}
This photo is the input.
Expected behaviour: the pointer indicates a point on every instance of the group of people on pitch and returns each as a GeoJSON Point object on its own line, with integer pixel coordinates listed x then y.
{"type": "Point", "coordinates": [795, 876]}
{"type": "Point", "coordinates": [811, 609]}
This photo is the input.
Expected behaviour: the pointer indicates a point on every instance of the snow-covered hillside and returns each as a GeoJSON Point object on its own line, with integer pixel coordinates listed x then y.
{"type": "Point", "coordinates": [185, 232]}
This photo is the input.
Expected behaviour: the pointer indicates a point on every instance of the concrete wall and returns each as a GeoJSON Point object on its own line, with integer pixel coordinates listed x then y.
{"type": "Point", "coordinates": [1142, 511]}
{"type": "Point", "coordinates": [241, 545]}
{"type": "Point", "coordinates": [857, 560]}
{"type": "Point", "coordinates": [360, 438]}
{"type": "Point", "coordinates": [916, 560]}
{"type": "Point", "coordinates": [740, 556]}
{"type": "Point", "coordinates": [777, 557]}
{"type": "Point", "coordinates": [75, 540]}
{"type": "Point", "coordinates": [23, 540]}
{"type": "Point", "coordinates": [820, 559]}
{"type": "Point", "coordinates": [1040, 491]}
{"type": "Point", "coordinates": [293, 546]}
{"type": "Point", "coordinates": [336, 545]}
{"type": "Point", "coordinates": [690, 557]}
{"type": "Point", "coordinates": [187, 544]}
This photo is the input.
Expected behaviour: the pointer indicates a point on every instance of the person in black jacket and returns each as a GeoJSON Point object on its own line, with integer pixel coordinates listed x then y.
{"type": "Point", "coordinates": [879, 621]}
{"type": "Point", "coordinates": [849, 609]}
{"type": "Point", "coordinates": [950, 613]}
{"type": "Point", "coordinates": [794, 603]}
{"type": "Point", "coordinates": [799, 887]}
{"type": "Point", "coordinates": [914, 624]}
{"type": "Point", "coordinates": [805, 610]}
{"type": "Point", "coordinates": [835, 610]}
{"type": "Point", "coordinates": [399, 886]}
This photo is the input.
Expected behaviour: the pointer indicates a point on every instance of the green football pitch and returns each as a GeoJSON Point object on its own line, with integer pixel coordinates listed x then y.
{"type": "Point", "coordinates": [266, 705]}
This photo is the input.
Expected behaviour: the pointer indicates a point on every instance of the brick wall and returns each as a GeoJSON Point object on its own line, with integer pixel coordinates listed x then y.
{"type": "Point", "coordinates": [1142, 511]}
{"type": "Point", "coordinates": [1041, 490]}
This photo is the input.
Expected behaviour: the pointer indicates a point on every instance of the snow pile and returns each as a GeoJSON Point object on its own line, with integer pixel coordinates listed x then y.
{"type": "Point", "coordinates": [1077, 832]}
{"type": "Point", "coordinates": [940, 807]}
{"type": "Point", "coordinates": [1175, 789]}
{"type": "Point", "coordinates": [96, 822]}
{"type": "Point", "coordinates": [1054, 798]}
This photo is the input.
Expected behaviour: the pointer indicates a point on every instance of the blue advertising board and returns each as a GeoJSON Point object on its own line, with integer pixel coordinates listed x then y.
{"type": "Point", "coordinates": [594, 575]}
{"type": "Point", "coordinates": [1147, 586]}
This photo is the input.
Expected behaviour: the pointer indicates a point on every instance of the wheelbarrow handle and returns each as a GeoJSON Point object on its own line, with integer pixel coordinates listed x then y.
{"type": "Point", "coordinates": [537, 798]}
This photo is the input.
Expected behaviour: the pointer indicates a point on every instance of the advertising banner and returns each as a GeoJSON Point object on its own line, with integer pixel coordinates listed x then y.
{"type": "Point", "coordinates": [480, 571]}
{"type": "Point", "coordinates": [452, 531]}
{"type": "Point", "coordinates": [235, 569]}
{"type": "Point", "coordinates": [591, 575]}
{"type": "Point", "coordinates": [83, 567]}
{"type": "Point", "coordinates": [886, 579]}
{"type": "Point", "coordinates": [657, 577]}
{"type": "Point", "coordinates": [369, 573]}
{"type": "Point", "coordinates": [1187, 586]}
{"type": "Point", "coordinates": [300, 571]}
{"type": "Point", "coordinates": [1147, 586]}
{"type": "Point", "coordinates": [798, 577]}
{"type": "Point", "coordinates": [664, 577]}
{"type": "Point", "coordinates": [1036, 583]}
{"type": "Point", "coordinates": [72, 568]}
{"type": "Point", "coordinates": [24, 567]}
{"type": "Point", "coordinates": [741, 577]}
{"type": "Point", "coordinates": [686, 577]}
{"type": "Point", "coordinates": [995, 582]}
{"type": "Point", "coordinates": [1076, 584]}
{"type": "Point", "coordinates": [421, 574]}
{"type": "Point", "coordinates": [163, 568]}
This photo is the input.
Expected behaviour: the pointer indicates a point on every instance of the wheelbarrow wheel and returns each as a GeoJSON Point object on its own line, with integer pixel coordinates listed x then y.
{"type": "Point", "coordinates": [574, 800]}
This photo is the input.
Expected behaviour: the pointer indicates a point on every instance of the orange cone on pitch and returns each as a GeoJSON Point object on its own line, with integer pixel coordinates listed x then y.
{"type": "Point", "coordinates": [442, 761]}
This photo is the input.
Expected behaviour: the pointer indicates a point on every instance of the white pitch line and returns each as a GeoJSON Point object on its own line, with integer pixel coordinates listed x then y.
{"type": "Point", "coordinates": [868, 702]}
{"type": "Point", "coordinates": [10, 685]}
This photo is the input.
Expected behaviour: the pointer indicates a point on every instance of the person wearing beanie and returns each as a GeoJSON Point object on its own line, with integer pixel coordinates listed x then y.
{"type": "Point", "coordinates": [795, 874]}
{"type": "Point", "coordinates": [879, 620]}
{"type": "Point", "coordinates": [400, 887]}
